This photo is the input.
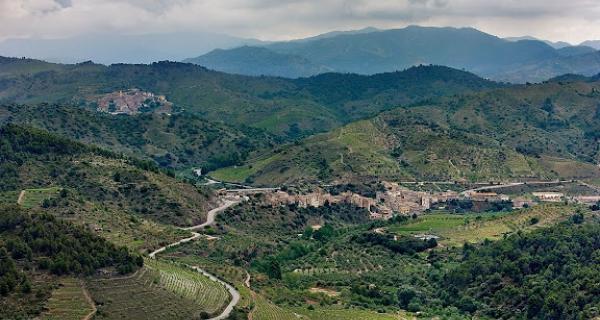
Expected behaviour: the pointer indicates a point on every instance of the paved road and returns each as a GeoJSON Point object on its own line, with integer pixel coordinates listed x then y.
{"type": "Point", "coordinates": [513, 184]}
{"type": "Point", "coordinates": [210, 220]}
{"type": "Point", "coordinates": [251, 190]}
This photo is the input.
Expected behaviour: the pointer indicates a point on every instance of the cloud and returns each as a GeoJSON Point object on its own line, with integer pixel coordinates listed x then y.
{"type": "Point", "coordinates": [575, 20]}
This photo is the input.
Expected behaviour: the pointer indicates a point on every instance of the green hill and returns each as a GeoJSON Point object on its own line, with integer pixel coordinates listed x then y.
{"type": "Point", "coordinates": [177, 141]}
{"type": "Point", "coordinates": [287, 108]}
{"type": "Point", "coordinates": [540, 131]}
{"type": "Point", "coordinates": [127, 201]}
{"type": "Point", "coordinates": [36, 249]}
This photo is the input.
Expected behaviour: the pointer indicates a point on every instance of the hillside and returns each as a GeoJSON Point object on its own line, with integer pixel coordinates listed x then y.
{"type": "Point", "coordinates": [536, 131]}
{"type": "Point", "coordinates": [332, 260]}
{"type": "Point", "coordinates": [179, 141]}
{"type": "Point", "coordinates": [380, 51]}
{"type": "Point", "coordinates": [127, 201]}
{"type": "Point", "coordinates": [36, 249]}
{"type": "Point", "coordinates": [287, 108]}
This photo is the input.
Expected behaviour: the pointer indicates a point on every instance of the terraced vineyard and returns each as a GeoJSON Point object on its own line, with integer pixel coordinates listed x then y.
{"type": "Point", "coordinates": [158, 291]}
{"type": "Point", "coordinates": [208, 295]}
{"type": "Point", "coordinates": [231, 274]}
{"type": "Point", "coordinates": [68, 302]}
{"type": "Point", "coordinates": [35, 197]}
{"type": "Point", "coordinates": [265, 310]}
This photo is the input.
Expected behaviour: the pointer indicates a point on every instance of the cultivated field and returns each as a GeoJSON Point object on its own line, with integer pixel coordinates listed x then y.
{"type": "Point", "coordinates": [68, 302]}
{"type": "Point", "coordinates": [265, 310]}
{"type": "Point", "coordinates": [208, 295]}
{"type": "Point", "coordinates": [158, 291]}
{"type": "Point", "coordinates": [430, 223]}
{"type": "Point", "coordinates": [35, 197]}
{"type": "Point", "coordinates": [457, 229]}
{"type": "Point", "coordinates": [347, 314]}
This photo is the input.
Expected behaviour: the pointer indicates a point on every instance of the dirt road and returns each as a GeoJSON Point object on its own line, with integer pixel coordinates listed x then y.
{"type": "Point", "coordinates": [210, 220]}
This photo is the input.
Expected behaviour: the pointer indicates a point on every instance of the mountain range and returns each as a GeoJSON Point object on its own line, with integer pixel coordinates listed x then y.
{"type": "Point", "coordinates": [108, 48]}
{"type": "Point", "coordinates": [374, 51]}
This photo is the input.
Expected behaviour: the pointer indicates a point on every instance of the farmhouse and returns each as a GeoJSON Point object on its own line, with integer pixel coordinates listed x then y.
{"type": "Point", "coordinates": [549, 196]}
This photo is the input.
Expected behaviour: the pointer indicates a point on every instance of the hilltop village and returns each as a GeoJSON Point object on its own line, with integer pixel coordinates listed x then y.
{"type": "Point", "coordinates": [133, 101]}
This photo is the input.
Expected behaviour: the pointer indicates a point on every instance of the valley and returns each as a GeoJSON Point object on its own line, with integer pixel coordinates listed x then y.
{"type": "Point", "coordinates": [172, 191]}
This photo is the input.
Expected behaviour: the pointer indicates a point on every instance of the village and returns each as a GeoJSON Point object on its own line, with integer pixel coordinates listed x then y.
{"type": "Point", "coordinates": [132, 102]}
{"type": "Point", "coordinates": [400, 200]}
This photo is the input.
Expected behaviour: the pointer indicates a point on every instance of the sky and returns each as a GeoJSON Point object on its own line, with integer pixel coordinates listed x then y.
{"type": "Point", "coordinates": [573, 21]}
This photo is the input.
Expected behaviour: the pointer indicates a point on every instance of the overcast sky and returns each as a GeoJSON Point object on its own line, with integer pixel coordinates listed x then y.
{"type": "Point", "coordinates": [573, 20]}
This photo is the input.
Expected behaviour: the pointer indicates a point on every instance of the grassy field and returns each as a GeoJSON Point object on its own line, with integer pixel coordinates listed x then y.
{"type": "Point", "coordinates": [430, 223]}
{"type": "Point", "coordinates": [35, 197]}
{"type": "Point", "coordinates": [68, 302]}
{"type": "Point", "coordinates": [458, 229]}
{"type": "Point", "coordinates": [158, 291]}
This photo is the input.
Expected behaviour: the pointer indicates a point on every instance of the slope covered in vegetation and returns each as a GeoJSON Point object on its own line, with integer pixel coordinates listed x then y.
{"type": "Point", "coordinates": [177, 141]}
{"type": "Point", "coordinates": [37, 246]}
{"type": "Point", "coordinates": [535, 131]}
{"type": "Point", "coordinates": [548, 274]}
{"type": "Point", "coordinates": [127, 201]}
{"type": "Point", "coordinates": [288, 108]}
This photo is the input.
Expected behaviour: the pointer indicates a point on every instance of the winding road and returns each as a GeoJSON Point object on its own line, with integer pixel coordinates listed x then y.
{"type": "Point", "coordinates": [212, 214]}
{"type": "Point", "coordinates": [210, 220]}
{"type": "Point", "coordinates": [227, 203]}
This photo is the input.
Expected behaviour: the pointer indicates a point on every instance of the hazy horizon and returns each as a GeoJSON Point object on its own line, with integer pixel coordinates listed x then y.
{"type": "Point", "coordinates": [573, 22]}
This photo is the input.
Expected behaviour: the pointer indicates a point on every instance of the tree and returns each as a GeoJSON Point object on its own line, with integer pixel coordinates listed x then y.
{"type": "Point", "coordinates": [405, 294]}
{"type": "Point", "coordinates": [274, 270]}
{"type": "Point", "coordinates": [548, 106]}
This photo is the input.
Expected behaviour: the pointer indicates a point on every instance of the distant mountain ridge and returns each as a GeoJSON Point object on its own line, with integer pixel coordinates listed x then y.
{"type": "Point", "coordinates": [256, 61]}
{"type": "Point", "coordinates": [592, 43]}
{"type": "Point", "coordinates": [376, 51]}
{"type": "Point", "coordinates": [555, 45]}
{"type": "Point", "coordinates": [114, 48]}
